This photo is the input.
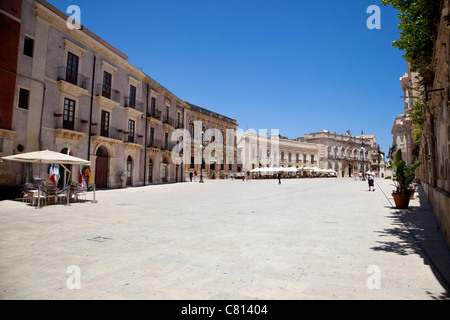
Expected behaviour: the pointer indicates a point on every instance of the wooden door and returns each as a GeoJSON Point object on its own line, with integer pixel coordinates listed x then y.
{"type": "Point", "coordinates": [101, 172]}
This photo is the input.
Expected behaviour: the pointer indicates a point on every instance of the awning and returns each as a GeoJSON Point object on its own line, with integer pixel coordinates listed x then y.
{"type": "Point", "coordinates": [47, 157]}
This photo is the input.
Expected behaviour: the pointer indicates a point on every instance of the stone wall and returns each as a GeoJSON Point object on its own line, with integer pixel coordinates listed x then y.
{"type": "Point", "coordinates": [435, 144]}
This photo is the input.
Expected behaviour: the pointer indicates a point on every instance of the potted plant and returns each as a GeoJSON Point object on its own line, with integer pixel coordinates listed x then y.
{"type": "Point", "coordinates": [403, 177]}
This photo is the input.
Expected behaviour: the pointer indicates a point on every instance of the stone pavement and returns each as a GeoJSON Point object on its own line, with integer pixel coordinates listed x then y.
{"type": "Point", "coordinates": [303, 239]}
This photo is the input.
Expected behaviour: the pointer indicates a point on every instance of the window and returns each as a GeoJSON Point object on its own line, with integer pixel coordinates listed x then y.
{"type": "Point", "coordinates": [282, 156]}
{"type": "Point", "coordinates": [1, 144]}
{"type": "Point", "coordinates": [152, 137]}
{"type": "Point", "coordinates": [167, 114]}
{"type": "Point", "coordinates": [153, 106]}
{"type": "Point", "coordinates": [312, 159]}
{"type": "Point", "coordinates": [72, 68]}
{"type": "Point", "coordinates": [104, 126]}
{"type": "Point", "coordinates": [132, 98]}
{"type": "Point", "coordinates": [28, 45]}
{"type": "Point", "coordinates": [131, 131]}
{"type": "Point", "coordinates": [192, 131]}
{"type": "Point", "coordinates": [106, 88]}
{"type": "Point", "coordinates": [23, 98]}
{"type": "Point", "coordinates": [69, 114]}
{"type": "Point", "coordinates": [166, 141]}
{"type": "Point", "coordinates": [178, 120]}
{"type": "Point", "coordinates": [304, 159]}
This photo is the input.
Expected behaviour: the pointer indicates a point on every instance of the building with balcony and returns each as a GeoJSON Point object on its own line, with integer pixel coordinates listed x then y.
{"type": "Point", "coordinates": [68, 90]}
{"type": "Point", "coordinates": [347, 154]}
{"type": "Point", "coordinates": [214, 136]}
{"type": "Point", "coordinates": [269, 149]}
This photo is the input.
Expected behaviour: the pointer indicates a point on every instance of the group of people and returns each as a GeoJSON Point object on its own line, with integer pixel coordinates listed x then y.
{"type": "Point", "coordinates": [370, 179]}
{"type": "Point", "coordinates": [193, 175]}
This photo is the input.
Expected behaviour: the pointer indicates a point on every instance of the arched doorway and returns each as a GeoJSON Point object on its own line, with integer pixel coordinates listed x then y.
{"type": "Point", "coordinates": [150, 171]}
{"type": "Point", "coordinates": [101, 168]}
{"type": "Point", "coordinates": [129, 171]}
{"type": "Point", "coordinates": [165, 170]}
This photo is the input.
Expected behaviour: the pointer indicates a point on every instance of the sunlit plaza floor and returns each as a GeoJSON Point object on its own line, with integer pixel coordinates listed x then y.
{"type": "Point", "coordinates": [304, 239]}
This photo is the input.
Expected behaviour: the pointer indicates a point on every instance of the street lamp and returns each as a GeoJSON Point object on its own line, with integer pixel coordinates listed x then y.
{"type": "Point", "coordinates": [201, 166]}
{"type": "Point", "coordinates": [363, 151]}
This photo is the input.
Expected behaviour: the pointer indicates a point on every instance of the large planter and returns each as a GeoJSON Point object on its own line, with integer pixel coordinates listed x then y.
{"type": "Point", "coordinates": [401, 200]}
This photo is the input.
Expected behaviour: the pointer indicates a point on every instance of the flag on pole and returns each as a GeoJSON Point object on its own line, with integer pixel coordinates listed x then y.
{"type": "Point", "coordinates": [54, 173]}
{"type": "Point", "coordinates": [80, 176]}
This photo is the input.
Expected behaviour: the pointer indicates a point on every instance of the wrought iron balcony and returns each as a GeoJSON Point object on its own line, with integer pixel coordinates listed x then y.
{"type": "Point", "coordinates": [107, 92]}
{"type": "Point", "coordinates": [76, 79]}
{"type": "Point", "coordinates": [132, 103]}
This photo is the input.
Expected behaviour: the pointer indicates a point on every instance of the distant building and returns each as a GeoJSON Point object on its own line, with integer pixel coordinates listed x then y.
{"type": "Point", "coordinates": [348, 154]}
{"type": "Point", "coordinates": [257, 150]}
{"type": "Point", "coordinates": [402, 127]}
{"type": "Point", "coordinates": [212, 131]}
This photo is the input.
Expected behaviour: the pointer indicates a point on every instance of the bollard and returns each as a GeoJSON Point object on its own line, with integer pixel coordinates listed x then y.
{"type": "Point", "coordinates": [39, 198]}
{"type": "Point", "coordinates": [68, 196]}
{"type": "Point", "coordinates": [94, 201]}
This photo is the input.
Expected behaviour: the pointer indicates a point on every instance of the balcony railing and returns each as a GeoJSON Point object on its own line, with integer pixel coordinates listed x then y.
{"type": "Point", "coordinates": [107, 132]}
{"type": "Point", "coordinates": [76, 79]}
{"type": "Point", "coordinates": [133, 104]}
{"type": "Point", "coordinates": [169, 121]}
{"type": "Point", "coordinates": [153, 143]}
{"type": "Point", "coordinates": [107, 92]}
{"type": "Point", "coordinates": [74, 124]}
{"type": "Point", "coordinates": [156, 114]}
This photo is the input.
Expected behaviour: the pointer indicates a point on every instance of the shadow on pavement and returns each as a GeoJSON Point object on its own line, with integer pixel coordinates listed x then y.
{"type": "Point", "coordinates": [417, 232]}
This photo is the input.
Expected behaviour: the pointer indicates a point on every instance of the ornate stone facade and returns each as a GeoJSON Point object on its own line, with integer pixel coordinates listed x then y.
{"type": "Point", "coordinates": [76, 93]}
{"type": "Point", "coordinates": [435, 144]}
{"type": "Point", "coordinates": [349, 154]}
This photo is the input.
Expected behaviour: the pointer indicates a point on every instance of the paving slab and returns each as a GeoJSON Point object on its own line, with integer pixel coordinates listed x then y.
{"type": "Point", "coordinates": [223, 239]}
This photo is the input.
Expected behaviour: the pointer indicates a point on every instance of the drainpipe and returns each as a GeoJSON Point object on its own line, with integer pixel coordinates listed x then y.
{"type": "Point", "coordinates": [145, 138]}
{"type": "Point", "coordinates": [90, 111]}
{"type": "Point", "coordinates": [42, 114]}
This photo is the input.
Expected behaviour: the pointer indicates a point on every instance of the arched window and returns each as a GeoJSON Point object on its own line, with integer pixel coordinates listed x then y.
{"type": "Point", "coordinates": [129, 170]}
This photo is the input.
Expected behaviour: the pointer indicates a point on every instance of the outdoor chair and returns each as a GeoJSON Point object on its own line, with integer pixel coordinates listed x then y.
{"type": "Point", "coordinates": [35, 198]}
{"type": "Point", "coordinates": [80, 193]}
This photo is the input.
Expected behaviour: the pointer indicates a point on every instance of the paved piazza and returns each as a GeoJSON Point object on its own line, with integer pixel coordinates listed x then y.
{"type": "Point", "coordinates": [303, 239]}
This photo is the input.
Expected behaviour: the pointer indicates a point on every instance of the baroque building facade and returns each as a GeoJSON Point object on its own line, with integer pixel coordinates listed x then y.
{"type": "Point", "coordinates": [347, 154]}
{"type": "Point", "coordinates": [68, 90]}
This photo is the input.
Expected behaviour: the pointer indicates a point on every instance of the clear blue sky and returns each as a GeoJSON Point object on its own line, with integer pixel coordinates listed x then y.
{"type": "Point", "coordinates": [297, 66]}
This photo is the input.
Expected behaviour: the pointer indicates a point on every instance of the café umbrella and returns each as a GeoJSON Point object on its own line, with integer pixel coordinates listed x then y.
{"type": "Point", "coordinates": [47, 157]}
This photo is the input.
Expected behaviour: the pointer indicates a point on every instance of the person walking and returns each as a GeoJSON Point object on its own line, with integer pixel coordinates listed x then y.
{"type": "Point", "coordinates": [279, 177]}
{"type": "Point", "coordinates": [191, 175]}
{"type": "Point", "coordinates": [232, 176]}
{"type": "Point", "coordinates": [195, 176]}
{"type": "Point", "coordinates": [248, 175]}
{"type": "Point", "coordinates": [243, 176]}
{"type": "Point", "coordinates": [370, 180]}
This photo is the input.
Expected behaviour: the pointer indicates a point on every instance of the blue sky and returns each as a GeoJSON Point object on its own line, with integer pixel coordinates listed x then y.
{"type": "Point", "coordinates": [293, 65]}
